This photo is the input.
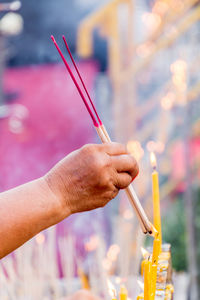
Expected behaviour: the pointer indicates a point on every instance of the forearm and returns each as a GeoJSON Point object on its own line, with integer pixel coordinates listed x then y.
{"type": "Point", "coordinates": [25, 211]}
{"type": "Point", "coordinates": [86, 179]}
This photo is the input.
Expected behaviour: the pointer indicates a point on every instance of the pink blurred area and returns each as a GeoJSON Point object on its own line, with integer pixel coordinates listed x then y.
{"type": "Point", "coordinates": [179, 164]}
{"type": "Point", "coordinates": [50, 117]}
{"type": "Point", "coordinates": [46, 122]}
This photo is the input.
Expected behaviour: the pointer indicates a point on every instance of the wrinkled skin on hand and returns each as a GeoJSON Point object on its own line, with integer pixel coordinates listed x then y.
{"type": "Point", "coordinates": [82, 295]}
{"type": "Point", "coordinates": [90, 177]}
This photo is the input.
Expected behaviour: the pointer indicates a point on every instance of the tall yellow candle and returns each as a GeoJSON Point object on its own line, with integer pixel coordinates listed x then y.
{"type": "Point", "coordinates": [123, 293]}
{"type": "Point", "coordinates": [156, 198]}
{"type": "Point", "coordinates": [147, 280]}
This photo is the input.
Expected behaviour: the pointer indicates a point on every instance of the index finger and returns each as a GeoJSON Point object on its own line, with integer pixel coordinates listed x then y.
{"type": "Point", "coordinates": [113, 148]}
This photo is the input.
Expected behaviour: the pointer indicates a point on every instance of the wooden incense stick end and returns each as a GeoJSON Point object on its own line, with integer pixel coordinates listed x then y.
{"type": "Point", "coordinates": [154, 233]}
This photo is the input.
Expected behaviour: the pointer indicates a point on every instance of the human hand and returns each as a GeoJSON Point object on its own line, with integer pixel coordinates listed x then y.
{"type": "Point", "coordinates": [82, 295]}
{"type": "Point", "coordinates": [90, 177]}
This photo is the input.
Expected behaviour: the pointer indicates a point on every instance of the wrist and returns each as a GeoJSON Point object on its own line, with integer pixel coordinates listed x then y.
{"type": "Point", "coordinates": [61, 210]}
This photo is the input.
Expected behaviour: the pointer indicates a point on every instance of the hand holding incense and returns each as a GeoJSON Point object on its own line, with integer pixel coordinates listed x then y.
{"type": "Point", "coordinates": [88, 178]}
{"type": "Point", "coordinates": [102, 132]}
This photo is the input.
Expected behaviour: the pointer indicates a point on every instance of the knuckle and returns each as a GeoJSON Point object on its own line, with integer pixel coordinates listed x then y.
{"type": "Point", "coordinates": [88, 148]}
{"type": "Point", "coordinates": [102, 162]}
{"type": "Point", "coordinates": [105, 180]}
{"type": "Point", "coordinates": [98, 162]}
{"type": "Point", "coordinates": [93, 156]}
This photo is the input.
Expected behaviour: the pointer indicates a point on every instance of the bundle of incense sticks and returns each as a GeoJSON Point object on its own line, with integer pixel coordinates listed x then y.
{"type": "Point", "coordinates": [146, 225]}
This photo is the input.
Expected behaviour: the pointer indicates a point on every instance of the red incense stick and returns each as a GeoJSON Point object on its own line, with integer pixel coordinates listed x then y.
{"type": "Point", "coordinates": [101, 130]}
{"type": "Point", "coordinates": [80, 77]}
{"type": "Point", "coordinates": [76, 84]}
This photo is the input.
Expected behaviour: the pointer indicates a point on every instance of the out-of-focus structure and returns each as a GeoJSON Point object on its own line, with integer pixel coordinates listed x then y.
{"type": "Point", "coordinates": [11, 23]}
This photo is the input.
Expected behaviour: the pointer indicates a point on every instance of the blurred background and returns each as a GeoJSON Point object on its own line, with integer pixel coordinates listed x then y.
{"type": "Point", "coordinates": [140, 61]}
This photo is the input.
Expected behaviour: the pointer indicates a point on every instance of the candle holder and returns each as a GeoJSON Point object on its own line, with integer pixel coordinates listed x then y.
{"type": "Point", "coordinates": [164, 287]}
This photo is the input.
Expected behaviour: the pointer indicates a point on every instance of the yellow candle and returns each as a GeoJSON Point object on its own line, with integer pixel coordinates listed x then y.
{"type": "Point", "coordinates": [153, 281]}
{"type": "Point", "coordinates": [156, 198]}
{"type": "Point", "coordinates": [123, 293]}
{"type": "Point", "coordinates": [156, 251]}
{"type": "Point", "coordinates": [170, 288]}
{"type": "Point", "coordinates": [155, 257]}
{"type": "Point", "coordinates": [147, 280]}
{"type": "Point", "coordinates": [84, 280]}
